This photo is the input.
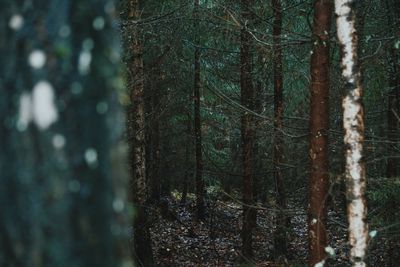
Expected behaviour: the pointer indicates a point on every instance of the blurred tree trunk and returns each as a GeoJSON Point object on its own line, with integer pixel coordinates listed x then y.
{"type": "Point", "coordinates": [197, 119]}
{"type": "Point", "coordinates": [11, 196]}
{"type": "Point", "coordinates": [353, 124]}
{"type": "Point", "coordinates": [319, 131]}
{"type": "Point", "coordinates": [282, 220]}
{"type": "Point", "coordinates": [10, 190]}
{"type": "Point", "coordinates": [94, 176]}
{"type": "Point", "coordinates": [136, 129]}
{"type": "Point", "coordinates": [247, 131]}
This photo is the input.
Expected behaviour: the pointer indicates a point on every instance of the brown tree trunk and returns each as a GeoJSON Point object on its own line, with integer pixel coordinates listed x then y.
{"type": "Point", "coordinates": [187, 160]}
{"type": "Point", "coordinates": [353, 124]}
{"type": "Point", "coordinates": [156, 148]}
{"type": "Point", "coordinates": [248, 132]}
{"type": "Point", "coordinates": [154, 84]}
{"type": "Point", "coordinates": [142, 251]}
{"type": "Point", "coordinates": [319, 130]}
{"type": "Point", "coordinates": [282, 222]}
{"type": "Point", "coordinates": [197, 121]}
{"type": "Point", "coordinates": [258, 105]}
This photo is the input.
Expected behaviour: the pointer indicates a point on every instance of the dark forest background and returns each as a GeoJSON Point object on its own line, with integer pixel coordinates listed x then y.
{"type": "Point", "coordinates": [65, 157]}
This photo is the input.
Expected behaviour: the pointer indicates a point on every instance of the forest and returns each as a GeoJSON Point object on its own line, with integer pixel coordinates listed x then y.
{"type": "Point", "coordinates": [185, 133]}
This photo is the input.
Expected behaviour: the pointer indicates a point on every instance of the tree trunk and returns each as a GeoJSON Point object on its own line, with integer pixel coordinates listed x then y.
{"type": "Point", "coordinates": [391, 168]}
{"type": "Point", "coordinates": [282, 222]}
{"type": "Point", "coordinates": [197, 121]}
{"type": "Point", "coordinates": [393, 96]}
{"type": "Point", "coordinates": [392, 119]}
{"type": "Point", "coordinates": [187, 161]}
{"type": "Point", "coordinates": [353, 124]}
{"type": "Point", "coordinates": [155, 142]}
{"type": "Point", "coordinates": [149, 133]}
{"type": "Point", "coordinates": [258, 105]}
{"type": "Point", "coordinates": [248, 132]}
{"type": "Point", "coordinates": [319, 131]}
{"type": "Point", "coordinates": [136, 129]}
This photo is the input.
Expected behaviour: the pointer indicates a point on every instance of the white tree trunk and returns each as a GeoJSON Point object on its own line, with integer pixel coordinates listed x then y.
{"type": "Point", "coordinates": [353, 123]}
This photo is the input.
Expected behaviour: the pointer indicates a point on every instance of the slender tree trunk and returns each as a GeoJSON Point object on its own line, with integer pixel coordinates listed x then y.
{"type": "Point", "coordinates": [136, 129]}
{"type": "Point", "coordinates": [353, 124]}
{"type": "Point", "coordinates": [149, 133]}
{"type": "Point", "coordinates": [392, 132]}
{"type": "Point", "coordinates": [156, 147]}
{"type": "Point", "coordinates": [319, 131]}
{"type": "Point", "coordinates": [187, 160]}
{"type": "Point", "coordinates": [392, 119]}
{"type": "Point", "coordinates": [280, 238]}
{"type": "Point", "coordinates": [258, 104]}
{"type": "Point", "coordinates": [197, 121]}
{"type": "Point", "coordinates": [393, 96]}
{"type": "Point", "coordinates": [248, 132]}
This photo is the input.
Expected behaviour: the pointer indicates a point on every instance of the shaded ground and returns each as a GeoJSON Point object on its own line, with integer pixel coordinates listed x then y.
{"type": "Point", "coordinates": [179, 240]}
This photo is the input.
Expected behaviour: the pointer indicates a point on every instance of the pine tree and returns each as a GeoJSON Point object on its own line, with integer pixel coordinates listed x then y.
{"type": "Point", "coordinates": [319, 131]}
{"type": "Point", "coordinates": [247, 130]}
{"type": "Point", "coordinates": [142, 251]}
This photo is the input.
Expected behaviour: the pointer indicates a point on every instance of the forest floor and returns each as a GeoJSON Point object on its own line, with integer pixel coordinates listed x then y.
{"type": "Point", "coordinates": [180, 240]}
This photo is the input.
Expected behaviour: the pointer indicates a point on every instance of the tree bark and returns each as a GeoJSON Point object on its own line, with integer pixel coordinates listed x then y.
{"type": "Point", "coordinates": [258, 106]}
{"type": "Point", "coordinates": [155, 178]}
{"type": "Point", "coordinates": [353, 124]}
{"type": "Point", "coordinates": [197, 121]}
{"type": "Point", "coordinates": [142, 251]}
{"type": "Point", "coordinates": [248, 132]}
{"type": "Point", "coordinates": [282, 222]}
{"type": "Point", "coordinates": [319, 131]}
{"type": "Point", "coordinates": [187, 160]}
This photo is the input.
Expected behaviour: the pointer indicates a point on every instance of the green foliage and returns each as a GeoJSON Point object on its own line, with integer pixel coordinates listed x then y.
{"type": "Point", "coordinates": [383, 200]}
{"type": "Point", "coordinates": [386, 192]}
